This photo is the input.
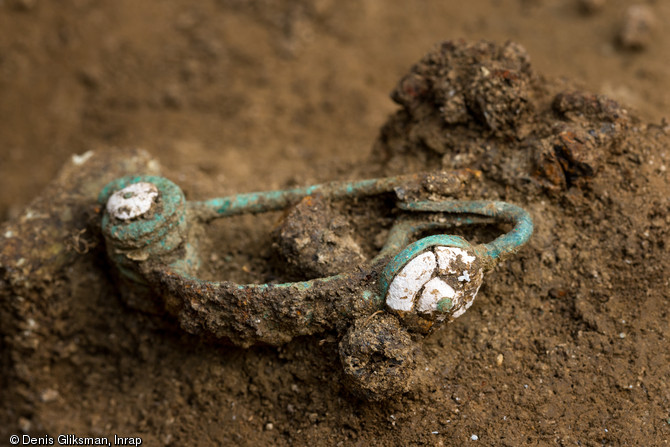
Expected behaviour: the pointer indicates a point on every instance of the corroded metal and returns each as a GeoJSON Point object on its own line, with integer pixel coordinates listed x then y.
{"type": "Point", "coordinates": [155, 250]}
{"type": "Point", "coordinates": [156, 254]}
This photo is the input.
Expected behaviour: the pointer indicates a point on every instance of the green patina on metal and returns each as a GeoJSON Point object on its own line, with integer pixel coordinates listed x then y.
{"type": "Point", "coordinates": [404, 230]}
{"type": "Point", "coordinates": [190, 262]}
{"type": "Point", "coordinates": [415, 249]}
{"type": "Point", "coordinates": [264, 201]}
{"type": "Point", "coordinates": [142, 232]}
{"type": "Point", "coordinates": [444, 305]}
{"type": "Point", "coordinates": [156, 250]}
{"type": "Point", "coordinates": [150, 233]}
{"type": "Point", "coordinates": [296, 288]}
{"type": "Point", "coordinates": [501, 211]}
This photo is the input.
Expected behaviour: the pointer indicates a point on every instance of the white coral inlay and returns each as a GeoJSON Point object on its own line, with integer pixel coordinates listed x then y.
{"type": "Point", "coordinates": [434, 291]}
{"type": "Point", "coordinates": [467, 305]}
{"type": "Point", "coordinates": [132, 201]}
{"type": "Point", "coordinates": [447, 256]}
{"type": "Point", "coordinates": [409, 281]}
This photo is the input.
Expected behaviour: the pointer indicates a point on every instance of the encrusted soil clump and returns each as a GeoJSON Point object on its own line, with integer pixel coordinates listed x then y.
{"type": "Point", "coordinates": [379, 357]}
{"type": "Point", "coordinates": [316, 240]}
{"type": "Point", "coordinates": [465, 100]}
{"type": "Point", "coordinates": [458, 83]}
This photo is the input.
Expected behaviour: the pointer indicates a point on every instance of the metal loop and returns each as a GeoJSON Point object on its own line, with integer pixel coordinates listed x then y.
{"type": "Point", "coordinates": [422, 283]}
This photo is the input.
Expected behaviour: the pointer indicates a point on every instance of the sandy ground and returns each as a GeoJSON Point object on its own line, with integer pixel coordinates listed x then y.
{"type": "Point", "coordinates": [232, 96]}
{"type": "Point", "coordinates": [300, 81]}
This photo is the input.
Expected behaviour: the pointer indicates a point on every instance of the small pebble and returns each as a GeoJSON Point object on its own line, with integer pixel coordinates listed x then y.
{"type": "Point", "coordinates": [24, 5]}
{"type": "Point", "coordinates": [474, 437]}
{"type": "Point", "coordinates": [638, 24]}
{"type": "Point", "coordinates": [622, 335]}
{"type": "Point", "coordinates": [79, 160]}
{"type": "Point", "coordinates": [90, 77]}
{"type": "Point", "coordinates": [269, 426]}
{"type": "Point", "coordinates": [173, 96]}
{"type": "Point", "coordinates": [499, 359]}
{"type": "Point", "coordinates": [49, 395]}
{"type": "Point", "coordinates": [25, 425]}
{"type": "Point", "coordinates": [591, 6]}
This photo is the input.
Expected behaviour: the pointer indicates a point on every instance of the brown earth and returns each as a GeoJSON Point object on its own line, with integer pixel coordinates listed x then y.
{"type": "Point", "coordinates": [567, 343]}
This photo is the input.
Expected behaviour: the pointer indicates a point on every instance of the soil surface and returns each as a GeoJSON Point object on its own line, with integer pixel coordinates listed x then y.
{"type": "Point", "coordinates": [557, 106]}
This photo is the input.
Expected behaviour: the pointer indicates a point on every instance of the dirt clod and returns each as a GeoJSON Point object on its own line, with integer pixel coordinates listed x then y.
{"type": "Point", "coordinates": [636, 31]}
{"type": "Point", "coordinates": [379, 357]}
{"type": "Point", "coordinates": [561, 144]}
{"type": "Point", "coordinates": [591, 6]}
{"type": "Point", "coordinates": [460, 82]}
{"type": "Point", "coordinates": [316, 240]}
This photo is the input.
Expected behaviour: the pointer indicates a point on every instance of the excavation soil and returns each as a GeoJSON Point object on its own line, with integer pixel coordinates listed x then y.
{"type": "Point", "coordinates": [567, 342]}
